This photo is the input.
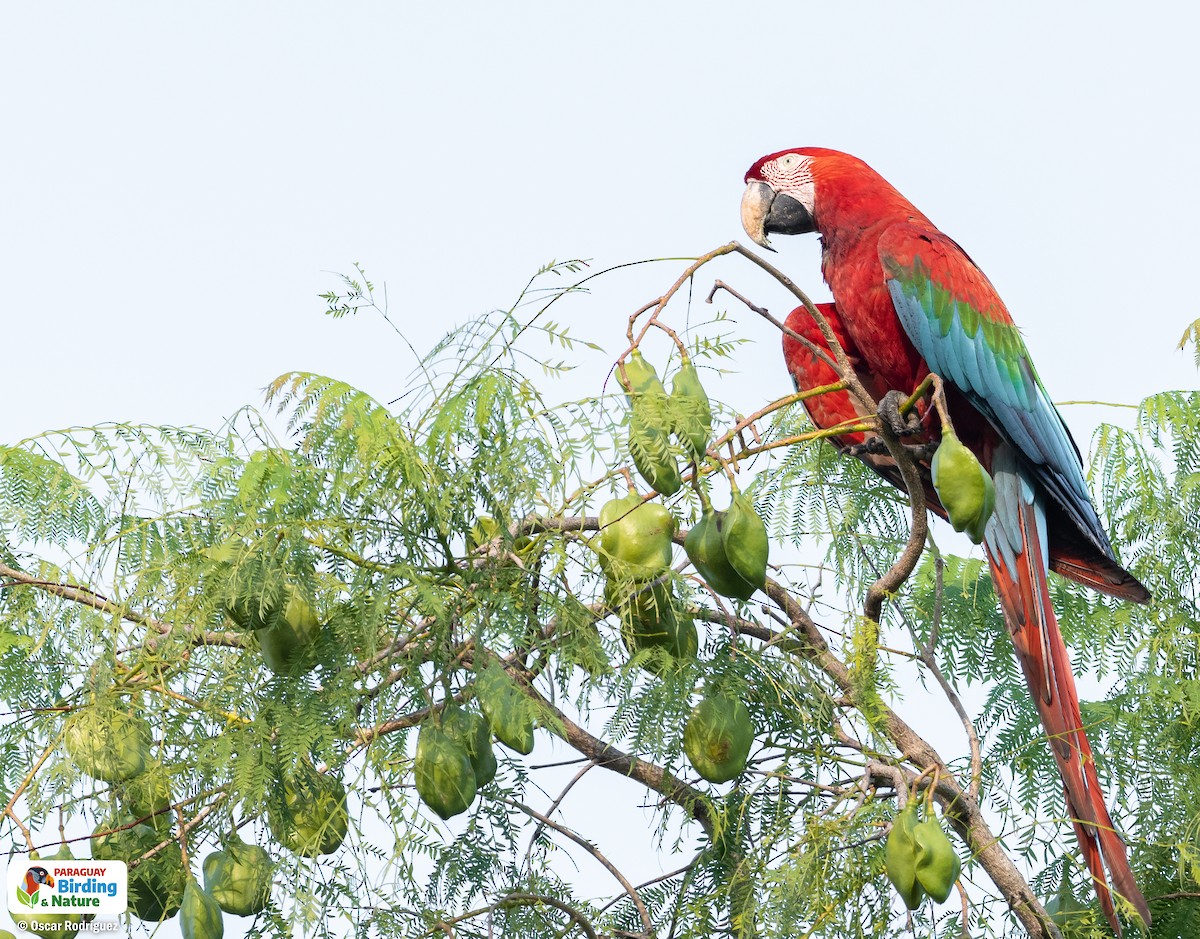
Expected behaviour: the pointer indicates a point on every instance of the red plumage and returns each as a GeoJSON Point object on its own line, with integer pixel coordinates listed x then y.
{"type": "Point", "coordinates": [1024, 599]}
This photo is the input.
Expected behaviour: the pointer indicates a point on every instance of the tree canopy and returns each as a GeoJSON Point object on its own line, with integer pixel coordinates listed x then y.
{"type": "Point", "coordinates": [311, 629]}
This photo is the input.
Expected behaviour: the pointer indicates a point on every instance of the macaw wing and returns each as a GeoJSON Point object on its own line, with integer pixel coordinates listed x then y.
{"type": "Point", "coordinates": [959, 324]}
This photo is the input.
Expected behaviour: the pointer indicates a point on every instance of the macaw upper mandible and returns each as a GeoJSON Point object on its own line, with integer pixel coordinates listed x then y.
{"type": "Point", "coordinates": [909, 301]}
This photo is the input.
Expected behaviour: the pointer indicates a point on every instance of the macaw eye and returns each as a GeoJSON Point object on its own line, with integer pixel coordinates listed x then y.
{"type": "Point", "coordinates": [787, 161]}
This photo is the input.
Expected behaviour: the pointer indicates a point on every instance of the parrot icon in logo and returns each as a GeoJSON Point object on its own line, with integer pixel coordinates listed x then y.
{"type": "Point", "coordinates": [34, 878]}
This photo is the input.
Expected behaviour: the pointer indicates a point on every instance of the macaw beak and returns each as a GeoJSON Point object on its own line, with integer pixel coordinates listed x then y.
{"type": "Point", "coordinates": [765, 210]}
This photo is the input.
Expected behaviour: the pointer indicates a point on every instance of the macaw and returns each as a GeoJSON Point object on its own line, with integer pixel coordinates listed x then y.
{"type": "Point", "coordinates": [909, 301]}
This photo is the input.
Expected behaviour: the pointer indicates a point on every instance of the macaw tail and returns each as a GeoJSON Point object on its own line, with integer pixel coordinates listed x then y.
{"type": "Point", "coordinates": [1016, 545]}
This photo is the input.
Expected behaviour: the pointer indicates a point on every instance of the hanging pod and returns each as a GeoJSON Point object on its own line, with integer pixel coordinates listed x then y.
{"type": "Point", "coordinates": [288, 645]}
{"type": "Point", "coordinates": [900, 856]}
{"type": "Point", "coordinates": [937, 866]}
{"type": "Point", "coordinates": [635, 538]}
{"type": "Point", "coordinates": [963, 486]}
{"type": "Point", "coordinates": [238, 877]}
{"type": "Point", "coordinates": [744, 537]}
{"type": "Point", "coordinates": [444, 776]}
{"type": "Point", "coordinates": [651, 451]}
{"type": "Point", "coordinates": [156, 884]}
{"type": "Point", "coordinates": [107, 743]}
{"type": "Point", "coordinates": [148, 796]}
{"type": "Point", "coordinates": [692, 409]}
{"type": "Point", "coordinates": [706, 550]}
{"type": "Point", "coordinates": [471, 732]}
{"type": "Point", "coordinates": [718, 736]}
{"type": "Point", "coordinates": [650, 620]}
{"type": "Point", "coordinates": [309, 815]}
{"type": "Point", "coordinates": [506, 709]}
{"type": "Point", "coordinates": [199, 914]}
{"type": "Point", "coordinates": [643, 379]}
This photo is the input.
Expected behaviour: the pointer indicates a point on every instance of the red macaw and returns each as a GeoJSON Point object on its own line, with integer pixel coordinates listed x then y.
{"type": "Point", "coordinates": [908, 300]}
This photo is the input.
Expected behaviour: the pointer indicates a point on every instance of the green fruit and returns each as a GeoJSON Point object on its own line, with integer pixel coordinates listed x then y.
{"type": "Point", "coordinates": [693, 412]}
{"type": "Point", "coordinates": [287, 645]}
{"type": "Point", "coordinates": [506, 709]}
{"type": "Point", "coordinates": [309, 816]}
{"type": "Point", "coordinates": [706, 550]}
{"type": "Point", "coordinates": [650, 620]}
{"type": "Point", "coordinates": [744, 537]}
{"type": "Point", "coordinates": [643, 379]}
{"type": "Point", "coordinates": [444, 776]}
{"type": "Point", "coordinates": [107, 743]}
{"type": "Point", "coordinates": [651, 451]}
{"type": "Point", "coordinates": [963, 486]}
{"type": "Point", "coordinates": [147, 796]}
{"type": "Point", "coordinates": [199, 914]}
{"type": "Point", "coordinates": [471, 732]}
{"type": "Point", "coordinates": [900, 856]}
{"type": "Point", "coordinates": [635, 538]}
{"type": "Point", "coordinates": [256, 593]}
{"type": "Point", "coordinates": [718, 736]}
{"type": "Point", "coordinates": [938, 866]}
{"type": "Point", "coordinates": [47, 925]}
{"type": "Point", "coordinates": [155, 884]}
{"type": "Point", "coordinates": [239, 877]}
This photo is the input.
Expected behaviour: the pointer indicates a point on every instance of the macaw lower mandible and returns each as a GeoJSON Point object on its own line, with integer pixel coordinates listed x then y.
{"type": "Point", "coordinates": [909, 301]}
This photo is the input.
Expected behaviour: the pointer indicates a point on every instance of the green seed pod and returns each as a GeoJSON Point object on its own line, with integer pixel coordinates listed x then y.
{"type": "Point", "coordinates": [239, 877]}
{"type": "Point", "coordinates": [651, 452]}
{"type": "Point", "coordinates": [650, 619]}
{"type": "Point", "coordinates": [635, 538]}
{"type": "Point", "coordinates": [199, 914]}
{"type": "Point", "coordinates": [256, 591]}
{"type": "Point", "coordinates": [444, 776]}
{"type": "Point", "coordinates": [693, 412]}
{"type": "Point", "coordinates": [107, 743]}
{"type": "Point", "coordinates": [938, 866]}
{"type": "Point", "coordinates": [148, 796]}
{"type": "Point", "coordinates": [287, 646]}
{"type": "Point", "coordinates": [900, 857]}
{"type": "Point", "coordinates": [643, 379]}
{"type": "Point", "coordinates": [471, 732]}
{"type": "Point", "coordinates": [505, 708]}
{"type": "Point", "coordinates": [744, 537]}
{"type": "Point", "coordinates": [718, 736]}
{"type": "Point", "coordinates": [963, 486]}
{"type": "Point", "coordinates": [706, 550]}
{"type": "Point", "coordinates": [308, 813]}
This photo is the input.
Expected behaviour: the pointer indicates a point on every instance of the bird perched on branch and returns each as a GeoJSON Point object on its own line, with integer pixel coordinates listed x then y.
{"type": "Point", "coordinates": [909, 301]}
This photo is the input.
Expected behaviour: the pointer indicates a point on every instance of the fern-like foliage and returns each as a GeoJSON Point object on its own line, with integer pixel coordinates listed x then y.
{"type": "Point", "coordinates": [145, 570]}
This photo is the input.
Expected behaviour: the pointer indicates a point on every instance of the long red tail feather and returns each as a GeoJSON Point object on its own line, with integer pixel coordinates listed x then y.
{"type": "Point", "coordinates": [1025, 601]}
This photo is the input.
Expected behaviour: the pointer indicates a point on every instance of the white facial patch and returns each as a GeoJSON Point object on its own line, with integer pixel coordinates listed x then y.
{"type": "Point", "coordinates": [792, 174]}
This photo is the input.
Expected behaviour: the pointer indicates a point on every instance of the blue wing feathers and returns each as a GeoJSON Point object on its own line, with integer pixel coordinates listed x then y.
{"type": "Point", "coordinates": [998, 378]}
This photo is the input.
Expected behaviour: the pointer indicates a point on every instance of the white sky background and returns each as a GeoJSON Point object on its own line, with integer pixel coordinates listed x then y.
{"type": "Point", "coordinates": [176, 182]}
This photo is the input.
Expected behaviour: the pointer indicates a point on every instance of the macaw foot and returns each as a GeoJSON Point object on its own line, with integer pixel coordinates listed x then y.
{"type": "Point", "coordinates": [889, 412]}
{"type": "Point", "coordinates": [873, 446]}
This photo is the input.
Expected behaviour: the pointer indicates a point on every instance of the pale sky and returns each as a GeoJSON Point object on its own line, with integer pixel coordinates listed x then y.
{"type": "Point", "coordinates": [176, 181]}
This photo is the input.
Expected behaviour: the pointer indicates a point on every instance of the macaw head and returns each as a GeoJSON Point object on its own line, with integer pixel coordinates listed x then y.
{"type": "Point", "coordinates": [809, 189]}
